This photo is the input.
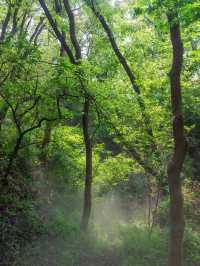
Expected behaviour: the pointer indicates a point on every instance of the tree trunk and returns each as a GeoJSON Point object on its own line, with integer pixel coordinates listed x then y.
{"type": "Point", "coordinates": [75, 60]}
{"type": "Point", "coordinates": [88, 168]}
{"type": "Point", "coordinates": [12, 158]}
{"type": "Point", "coordinates": [176, 163]}
{"type": "Point", "coordinates": [3, 112]}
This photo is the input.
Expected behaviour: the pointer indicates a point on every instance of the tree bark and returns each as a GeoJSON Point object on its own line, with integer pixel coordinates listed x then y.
{"type": "Point", "coordinates": [88, 169]}
{"type": "Point", "coordinates": [180, 147]}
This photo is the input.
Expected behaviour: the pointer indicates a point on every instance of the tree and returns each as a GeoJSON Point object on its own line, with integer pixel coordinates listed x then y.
{"type": "Point", "coordinates": [76, 60]}
{"type": "Point", "coordinates": [180, 145]}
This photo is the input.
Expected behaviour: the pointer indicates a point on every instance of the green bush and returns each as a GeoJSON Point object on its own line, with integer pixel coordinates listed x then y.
{"type": "Point", "coordinates": [139, 247]}
{"type": "Point", "coordinates": [19, 224]}
{"type": "Point", "coordinates": [192, 247]}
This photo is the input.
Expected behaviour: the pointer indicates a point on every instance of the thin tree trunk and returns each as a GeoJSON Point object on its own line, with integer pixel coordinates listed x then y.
{"type": "Point", "coordinates": [37, 30]}
{"type": "Point", "coordinates": [13, 156]}
{"type": "Point", "coordinates": [176, 163]}
{"type": "Point", "coordinates": [85, 118]}
{"type": "Point", "coordinates": [87, 205]}
{"type": "Point", "coordinates": [88, 169]}
{"type": "Point", "coordinates": [3, 112]}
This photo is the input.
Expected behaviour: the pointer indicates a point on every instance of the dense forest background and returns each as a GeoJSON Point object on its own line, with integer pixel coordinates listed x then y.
{"type": "Point", "coordinates": [100, 133]}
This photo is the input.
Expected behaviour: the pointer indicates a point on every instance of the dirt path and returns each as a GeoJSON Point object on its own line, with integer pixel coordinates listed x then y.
{"type": "Point", "coordinates": [107, 258]}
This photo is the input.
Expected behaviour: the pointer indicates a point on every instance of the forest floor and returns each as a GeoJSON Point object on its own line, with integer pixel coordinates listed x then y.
{"type": "Point", "coordinates": [109, 241]}
{"type": "Point", "coordinates": [118, 236]}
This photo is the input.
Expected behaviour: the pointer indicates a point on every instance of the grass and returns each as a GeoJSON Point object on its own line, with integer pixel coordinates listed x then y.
{"type": "Point", "coordinates": [112, 242]}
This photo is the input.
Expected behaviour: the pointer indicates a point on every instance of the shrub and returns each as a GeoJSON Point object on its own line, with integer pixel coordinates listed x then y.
{"type": "Point", "coordinates": [139, 247]}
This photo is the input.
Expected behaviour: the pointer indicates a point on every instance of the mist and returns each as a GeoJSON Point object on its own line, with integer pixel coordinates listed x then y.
{"type": "Point", "coordinates": [62, 243]}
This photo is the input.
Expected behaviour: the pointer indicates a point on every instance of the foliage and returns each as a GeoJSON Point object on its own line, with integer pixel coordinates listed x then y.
{"type": "Point", "coordinates": [42, 135]}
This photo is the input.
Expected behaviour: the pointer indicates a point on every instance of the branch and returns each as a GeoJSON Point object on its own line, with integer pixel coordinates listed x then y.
{"type": "Point", "coordinates": [23, 22]}
{"type": "Point", "coordinates": [39, 124]}
{"type": "Point", "coordinates": [5, 78]}
{"type": "Point", "coordinates": [35, 143]}
{"type": "Point", "coordinates": [31, 107]}
{"type": "Point", "coordinates": [13, 113]}
{"type": "Point", "coordinates": [72, 29]}
{"type": "Point", "coordinates": [15, 21]}
{"type": "Point", "coordinates": [28, 24]}
{"type": "Point", "coordinates": [129, 72]}
{"type": "Point", "coordinates": [37, 29]}
{"type": "Point", "coordinates": [114, 45]}
{"type": "Point", "coordinates": [5, 23]}
{"type": "Point", "coordinates": [38, 34]}
{"type": "Point", "coordinates": [130, 149]}
{"type": "Point", "coordinates": [57, 32]}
